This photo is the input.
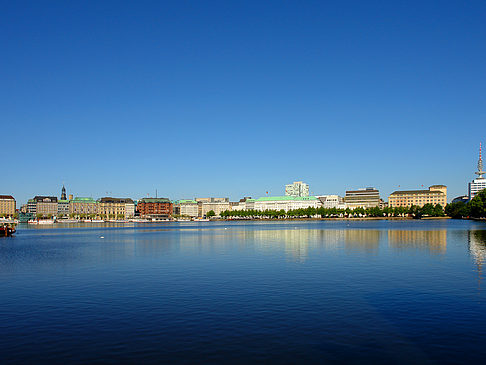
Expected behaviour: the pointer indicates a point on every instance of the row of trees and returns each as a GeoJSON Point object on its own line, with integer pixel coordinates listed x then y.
{"type": "Point", "coordinates": [414, 211]}
{"type": "Point", "coordinates": [475, 208]}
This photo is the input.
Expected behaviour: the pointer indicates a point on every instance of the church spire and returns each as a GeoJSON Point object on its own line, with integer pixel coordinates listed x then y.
{"type": "Point", "coordinates": [63, 193]}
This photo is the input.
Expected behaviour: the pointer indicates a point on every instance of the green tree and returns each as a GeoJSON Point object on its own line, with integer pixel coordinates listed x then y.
{"type": "Point", "coordinates": [210, 214]}
{"type": "Point", "coordinates": [457, 210]}
{"type": "Point", "coordinates": [427, 210]}
{"type": "Point", "coordinates": [438, 211]}
{"type": "Point", "coordinates": [477, 205]}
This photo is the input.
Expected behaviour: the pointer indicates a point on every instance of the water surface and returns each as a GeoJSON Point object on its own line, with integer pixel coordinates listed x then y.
{"type": "Point", "coordinates": [240, 292]}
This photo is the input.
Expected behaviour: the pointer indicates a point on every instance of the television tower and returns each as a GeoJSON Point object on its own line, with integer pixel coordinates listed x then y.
{"type": "Point", "coordinates": [480, 171]}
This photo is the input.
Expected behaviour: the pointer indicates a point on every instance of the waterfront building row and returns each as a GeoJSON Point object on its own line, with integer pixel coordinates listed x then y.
{"type": "Point", "coordinates": [107, 206]}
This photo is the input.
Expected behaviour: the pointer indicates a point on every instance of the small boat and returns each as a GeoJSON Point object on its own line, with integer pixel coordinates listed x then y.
{"type": "Point", "coordinates": [7, 228]}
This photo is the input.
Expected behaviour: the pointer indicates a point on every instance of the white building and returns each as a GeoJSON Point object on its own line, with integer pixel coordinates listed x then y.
{"type": "Point", "coordinates": [332, 201]}
{"type": "Point", "coordinates": [188, 208]}
{"type": "Point", "coordinates": [298, 188]}
{"type": "Point", "coordinates": [286, 203]}
{"type": "Point", "coordinates": [217, 205]}
{"type": "Point", "coordinates": [480, 183]}
{"type": "Point", "coordinates": [129, 209]}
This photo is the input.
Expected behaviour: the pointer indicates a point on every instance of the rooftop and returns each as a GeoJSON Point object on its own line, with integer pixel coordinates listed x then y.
{"type": "Point", "coordinates": [154, 200]}
{"type": "Point", "coordinates": [403, 192]}
{"type": "Point", "coordinates": [285, 198]}
{"type": "Point", "coordinates": [108, 199]}
{"type": "Point", "coordinates": [79, 199]}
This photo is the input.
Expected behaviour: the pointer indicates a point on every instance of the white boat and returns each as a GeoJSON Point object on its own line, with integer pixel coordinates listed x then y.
{"type": "Point", "coordinates": [201, 220]}
{"type": "Point", "coordinates": [45, 221]}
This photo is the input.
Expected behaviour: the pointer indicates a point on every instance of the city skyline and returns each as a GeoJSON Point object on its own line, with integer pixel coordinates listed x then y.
{"type": "Point", "coordinates": [384, 195]}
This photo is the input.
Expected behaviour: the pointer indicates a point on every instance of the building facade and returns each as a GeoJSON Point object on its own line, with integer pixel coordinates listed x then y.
{"type": "Point", "coordinates": [85, 206]}
{"type": "Point", "coordinates": [478, 184]}
{"type": "Point", "coordinates": [297, 188]}
{"type": "Point", "coordinates": [436, 194]}
{"type": "Point", "coordinates": [62, 208]}
{"type": "Point", "coordinates": [31, 206]}
{"type": "Point", "coordinates": [117, 208]}
{"type": "Point", "coordinates": [364, 198]}
{"type": "Point", "coordinates": [155, 208]}
{"type": "Point", "coordinates": [45, 205]}
{"type": "Point", "coordinates": [217, 205]}
{"type": "Point", "coordinates": [7, 206]}
{"type": "Point", "coordinates": [186, 208]}
{"type": "Point", "coordinates": [332, 201]}
{"type": "Point", "coordinates": [286, 203]}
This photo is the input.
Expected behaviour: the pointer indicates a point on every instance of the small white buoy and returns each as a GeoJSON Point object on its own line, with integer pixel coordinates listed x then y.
{"type": "Point", "coordinates": [225, 228]}
{"type": "Point", "coordinates": [102, 237]}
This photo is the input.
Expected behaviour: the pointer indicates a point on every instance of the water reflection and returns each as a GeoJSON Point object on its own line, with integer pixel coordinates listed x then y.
{"type": "Point", "coordinates": [298, 243]}
{"type": "Point", "coordinates": [434, 241]}
{"type": "Point", "coordinates": [477, 246]}
{"type": "Point", "coordinates": [295, 242]}
{"type": "Point", "coordinates": [364, 240]}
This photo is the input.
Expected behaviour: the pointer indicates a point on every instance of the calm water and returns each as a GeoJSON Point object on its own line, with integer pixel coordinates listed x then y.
{"type": "Point", "coordinates": [283, 292]}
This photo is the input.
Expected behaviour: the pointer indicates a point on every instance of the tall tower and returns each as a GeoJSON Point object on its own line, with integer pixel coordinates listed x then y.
{"type": "Point", "coordinates": [63, 193]}
{"type": "Point", "coordinates": [480, 171]}
{"type": "Point", "coordinates": [479, 183]}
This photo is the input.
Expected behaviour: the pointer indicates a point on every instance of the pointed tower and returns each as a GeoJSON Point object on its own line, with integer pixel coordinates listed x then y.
{"type": "Point", "coordinates": [480, 171]}
{"type": "Point", "coordinates": [479, 183]}
{"type": "Point", "coordinates": [63, 193]}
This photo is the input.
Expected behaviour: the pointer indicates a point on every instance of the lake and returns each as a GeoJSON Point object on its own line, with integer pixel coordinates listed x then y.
{"type": "Point", "coordinates": [332, 292]}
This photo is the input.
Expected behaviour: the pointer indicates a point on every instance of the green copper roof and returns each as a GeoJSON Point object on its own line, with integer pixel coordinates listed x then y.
{"type": "Point", "coordinates": [154, 200]}
{"type": "Point", "coordinates": [286, 198]}
{"type": "Point", "coordinates": [83, 200]}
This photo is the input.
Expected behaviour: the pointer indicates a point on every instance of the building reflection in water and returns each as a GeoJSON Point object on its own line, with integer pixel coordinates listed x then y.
{"type": "Point", "coordinates": [477, 250]}
{"type": "Point", "coordinates": [296, 243]}
{"type": "Point", "coordinates": [434, 241]}
{"type": "Point", "coordinates": [359, 239]}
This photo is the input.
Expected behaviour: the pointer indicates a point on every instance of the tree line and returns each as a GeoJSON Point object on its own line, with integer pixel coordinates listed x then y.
{"type": "Point", "coordinates": [475, 208]}
{"type": "Point", "coordinates": [428, 210]}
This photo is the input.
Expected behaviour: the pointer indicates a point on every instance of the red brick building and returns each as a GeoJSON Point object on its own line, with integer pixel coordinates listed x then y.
{"type": "Point", "coordinates": [155, 208]}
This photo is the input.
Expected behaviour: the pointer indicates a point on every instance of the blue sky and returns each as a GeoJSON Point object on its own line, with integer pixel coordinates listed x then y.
{"type": "Point", "coordinates": [239, 98]}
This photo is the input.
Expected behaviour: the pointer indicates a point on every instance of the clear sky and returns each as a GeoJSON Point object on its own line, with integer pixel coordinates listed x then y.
{"type": "Point", "coordinates": [226, 98]}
